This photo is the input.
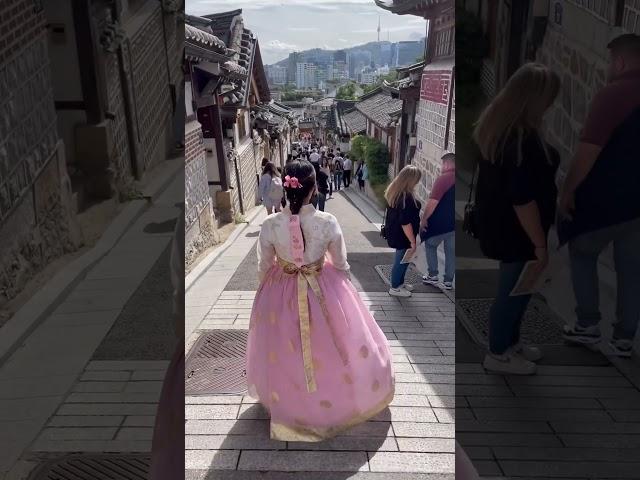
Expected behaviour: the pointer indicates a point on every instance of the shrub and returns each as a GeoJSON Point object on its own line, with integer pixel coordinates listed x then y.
{"type": "Point", "coordinates": [376, 156]}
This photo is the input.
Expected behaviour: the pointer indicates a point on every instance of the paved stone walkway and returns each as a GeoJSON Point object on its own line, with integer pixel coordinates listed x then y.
{"type": "Point", "coordinates": [227, 437]}
{"type": "Point", "coordinates": [578, 418]}
{"type": "Point", "coordinates": [53, 399]}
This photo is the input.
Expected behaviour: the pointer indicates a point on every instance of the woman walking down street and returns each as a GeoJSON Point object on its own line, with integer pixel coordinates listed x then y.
{"type": "Point", "coordinates": [515, 200]}
{"type": "Point", "coordinates": [323, 188]}
{"type": "Point", "coordinates": [270, 188]}
{"type": "Point", "coordinates": [326, 168]}
{"type": "Point", "coordinates": [360, 175]}
{"type": "Point", "coordinates": [402, 225]}
{"type": "Point", "coordinates": [316, 358]}
{"type": "Point", "coordinates": [337, 172]}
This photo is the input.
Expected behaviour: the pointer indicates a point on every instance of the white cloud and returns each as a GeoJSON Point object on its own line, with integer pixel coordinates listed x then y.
{"type": "Point", "coordinates": [279, 46]}
{"type": "Point", "coordinates": [198, 6]}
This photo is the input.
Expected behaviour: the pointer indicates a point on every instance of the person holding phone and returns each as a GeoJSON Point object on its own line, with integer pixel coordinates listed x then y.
{"type": "Point", "coordinates": [402, 225]}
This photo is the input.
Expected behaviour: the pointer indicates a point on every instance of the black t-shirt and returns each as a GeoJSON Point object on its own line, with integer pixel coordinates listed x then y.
{"type": "Point", "coordinates": [511, 182]}
{"type": "Point", "coordinates": [323, 182]}
{"type": "Point", "coordinates": [406, 212]}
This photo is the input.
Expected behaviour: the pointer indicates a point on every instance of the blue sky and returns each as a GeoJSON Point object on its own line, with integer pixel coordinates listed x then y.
{"type": "Point", "coordinates": [286, 26]}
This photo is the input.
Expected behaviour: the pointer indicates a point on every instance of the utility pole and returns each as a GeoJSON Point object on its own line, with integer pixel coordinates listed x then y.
{"type": "Point", "coordinates": [378, 28]}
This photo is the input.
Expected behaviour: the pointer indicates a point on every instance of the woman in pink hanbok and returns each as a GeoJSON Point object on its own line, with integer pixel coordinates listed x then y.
{"type": "Point", "coordinates": [316, 359]}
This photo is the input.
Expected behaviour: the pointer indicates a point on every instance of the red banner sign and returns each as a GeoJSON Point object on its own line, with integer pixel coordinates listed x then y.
{"type": "Point", "coordinates": [435, 86]}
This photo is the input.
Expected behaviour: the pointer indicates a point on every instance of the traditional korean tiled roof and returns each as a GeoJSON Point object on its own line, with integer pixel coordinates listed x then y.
{"type": "Point", "coordinates": [380, 107]}
{"type": "Point", "coordinates": [229, 26]}
{"type": "Point", "coordinates": [205, 39]}
{"type": "Point", "coordinates": [411, 7]}
{"type": "Point", "coordinates": [355, 121]}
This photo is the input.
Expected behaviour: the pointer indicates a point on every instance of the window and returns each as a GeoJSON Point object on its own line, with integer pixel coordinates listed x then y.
{"type": "Point", "coordinates": [445, 43]}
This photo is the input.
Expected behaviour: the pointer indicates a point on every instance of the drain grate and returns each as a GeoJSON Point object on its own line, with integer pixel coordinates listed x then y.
{"type": "Point", "coordinates": [540, 325]}
{"type": "Point", "coordinates": [413, 276]}
{"type": "Point", "coordinates": [96, 467]}
{"type": "Point", "coordinates": [216, 364]}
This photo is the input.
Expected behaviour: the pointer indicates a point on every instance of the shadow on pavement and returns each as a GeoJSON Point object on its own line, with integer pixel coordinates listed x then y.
{"type": "Point", "coordinates": [247, 448]}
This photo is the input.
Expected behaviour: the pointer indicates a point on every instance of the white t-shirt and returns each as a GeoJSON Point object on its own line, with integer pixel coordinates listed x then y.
{"type": "Point", "coordinates": [338, 158]}
{"type": "Point", "coordinates": [322, 236]}
{"type": "Point", "coordinates": [347, 164]}
{"type": "Point", "coordinates": [314, 157]}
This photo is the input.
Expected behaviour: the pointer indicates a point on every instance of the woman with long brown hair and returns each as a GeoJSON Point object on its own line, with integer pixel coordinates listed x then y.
{"type": "Point", "coordinates": [515, 201]}
{"type": "Point", "coordinates": [402, 224]}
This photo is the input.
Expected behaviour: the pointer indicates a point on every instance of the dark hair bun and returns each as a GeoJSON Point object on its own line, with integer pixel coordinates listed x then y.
{"type": "Point", "coordinates": [306, 175]}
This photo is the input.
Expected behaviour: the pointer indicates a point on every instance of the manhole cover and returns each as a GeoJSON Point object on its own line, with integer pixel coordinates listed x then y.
{"type": "Point", "coordinates": [540, 325]}
{"type": "Point", "coordinates": [96, 467]}
{"type": "Point", "coordinates": [413, 276]}
{"type": "Point", "coordinates": [216, 364]}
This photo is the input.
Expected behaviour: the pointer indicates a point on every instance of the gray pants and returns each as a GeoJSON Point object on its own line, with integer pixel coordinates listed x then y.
{"type": "Point", "coordinates": [584, 252]}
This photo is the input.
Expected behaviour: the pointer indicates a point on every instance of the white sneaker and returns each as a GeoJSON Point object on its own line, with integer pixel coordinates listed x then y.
{"type": "Point", "coordinates": [447, 285]}
{"type": "Point", "coordinates": [509, 364]}
{"type": "Point", "coordinates": [409, 287]}
{"type": "Point", "coordinates": [528, 352]}
{"type": "Point", "coordinates": [399, 292]}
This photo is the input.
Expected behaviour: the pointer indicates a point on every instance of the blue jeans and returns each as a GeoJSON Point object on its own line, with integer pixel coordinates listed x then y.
{"type": "Point", "coordinates": [431, 246]}
{"type": "Point", "coordinates": [505, 316]}
{"type": "Point", "coordinates": [337, 179]}
{"type": "Point", "coordinates": [322, 198]}
{"type": "Point", "coordinates": [399, 269]}
{"type": "Point", "coordinates": [584, 252]}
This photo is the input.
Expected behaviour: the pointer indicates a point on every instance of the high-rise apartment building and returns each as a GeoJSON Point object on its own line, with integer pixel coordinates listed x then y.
{"type": "Point", "coordinates": [306, 75]}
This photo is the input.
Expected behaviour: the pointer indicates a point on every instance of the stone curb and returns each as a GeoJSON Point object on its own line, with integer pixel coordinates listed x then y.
{"type": "Point", "coordinates": [47, 299]}
{"type": "Point", "coordinates": [206, 262]}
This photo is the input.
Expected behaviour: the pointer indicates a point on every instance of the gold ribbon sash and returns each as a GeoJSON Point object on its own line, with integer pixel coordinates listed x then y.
{"type": "Point", "coordinates": [307, 277]}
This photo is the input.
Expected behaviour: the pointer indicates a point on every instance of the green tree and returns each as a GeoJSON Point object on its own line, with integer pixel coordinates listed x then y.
{"type": "Point", "coordinates": [347, 92]}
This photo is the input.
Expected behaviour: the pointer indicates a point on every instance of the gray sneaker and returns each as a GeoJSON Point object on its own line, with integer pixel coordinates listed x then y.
{"type": "Point", "coordinates": [582, 335]}
{"type": "Point", "coordinates": [430, 280]}
{"type": "Point", "coordinates": [621, 347]}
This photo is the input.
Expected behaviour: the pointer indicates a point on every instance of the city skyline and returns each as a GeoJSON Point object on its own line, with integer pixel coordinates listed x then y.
{"type": "Point", "coordinates": [327, 24]}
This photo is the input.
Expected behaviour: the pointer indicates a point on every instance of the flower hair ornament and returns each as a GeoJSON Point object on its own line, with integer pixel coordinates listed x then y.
{"type": "Point", "coordinates": [292, 182]}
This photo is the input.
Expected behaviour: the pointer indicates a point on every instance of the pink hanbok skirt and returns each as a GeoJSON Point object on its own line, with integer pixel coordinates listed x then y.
{"type": "Point", "coordinates": [352, 362]}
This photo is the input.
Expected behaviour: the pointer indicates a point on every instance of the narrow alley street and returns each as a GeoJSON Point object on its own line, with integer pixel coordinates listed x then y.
{"type": "Point", "coordinates": [577, 418]}
{"type": "Point", "coordinates": [86, 380]}
{"type": "Point", "coordinates": [227, 436]}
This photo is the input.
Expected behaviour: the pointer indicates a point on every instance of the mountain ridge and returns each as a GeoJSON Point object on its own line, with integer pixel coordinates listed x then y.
{"type": "Point", "coordinates": [375, 48]}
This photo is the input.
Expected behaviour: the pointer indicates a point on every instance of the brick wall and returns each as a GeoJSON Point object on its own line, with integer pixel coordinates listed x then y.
{"type": "Point", "coordinates": [200, 227]}
{"type": "Point", "coordinates": [151, 77]}
{"type": "Point", "coordinates": [580, 57]}
{"type": "Point", "coordinates": [36, 220]}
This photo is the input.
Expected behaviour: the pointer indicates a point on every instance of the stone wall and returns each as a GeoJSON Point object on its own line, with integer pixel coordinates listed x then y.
{"type": "Point", "coordinates": [579, 56]}
{"type": "Point", "coordinates": [36, 217]}
{"type": "Point", "coordinates": [432, 128]}
{"type": "Point", "coordinates": [200, 227]}
{"type": "Point", "coordinates": [249, 158]}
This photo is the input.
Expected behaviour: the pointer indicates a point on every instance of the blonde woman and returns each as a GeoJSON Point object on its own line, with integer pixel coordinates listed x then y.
{"type": "Point", "coordinates": [516, 200]}
{"type": "Point", "coordinates": [402, 224]}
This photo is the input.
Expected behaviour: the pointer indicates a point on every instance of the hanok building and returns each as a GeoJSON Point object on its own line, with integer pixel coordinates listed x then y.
{"type": "Point", "coordinates": [208, 62]}
{"type": "Point", "coordinates": [345, 121]}
{"type": "Point", "coordinates": [276, 123]}
{"type": "Point", "coordinates": [382, 113]}
{"type": "Point", "coordinates": [81, 120]}
{"type": "Point", "coordinates": [223, 108]}
{"type": "Point", "coordinates": [435, 114]}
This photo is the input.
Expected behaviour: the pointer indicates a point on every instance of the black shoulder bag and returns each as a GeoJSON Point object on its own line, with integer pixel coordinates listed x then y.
{"type": "Point", "coordinates": [470, 220]}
